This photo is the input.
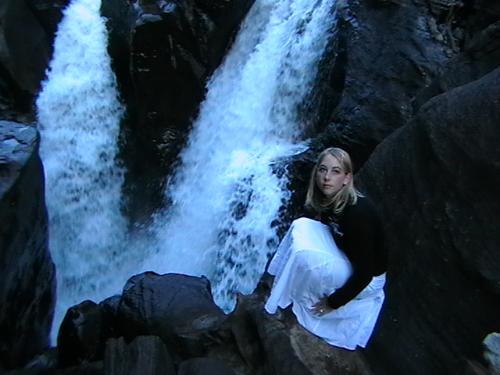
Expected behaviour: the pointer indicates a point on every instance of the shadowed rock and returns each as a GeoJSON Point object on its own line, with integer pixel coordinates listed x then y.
{"type": "Point", "coordinates": [204, 366]}
{"type": "Point", "coordinates": [177, 308]}
{"type": "Point", "coordinates": [436, 182]}
{"type": "Point", "coordinates": [381, 56]}
{"type": "Point", "coordinates": [277, 344]}
{"type": "Point", "coordinates": [28, 278]}
{"type": "Point", "coordinates": [80, 336]}
{"type": "Point", "coordinates": [145, 355]}
{"type": "Point", "coordinates": [24, 55]}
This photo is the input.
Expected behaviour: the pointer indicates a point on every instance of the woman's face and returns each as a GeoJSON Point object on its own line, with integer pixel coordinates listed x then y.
{"type": "Point", "coordinates": [330, 176]}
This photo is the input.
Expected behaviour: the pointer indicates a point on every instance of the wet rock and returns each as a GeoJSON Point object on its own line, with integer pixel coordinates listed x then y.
{"type": "Point", "coordinates": [80, 336]}
{"type": "Point", "coordinates": [177, 308]}
{"type": "Point", "coordinates": [85, 329]}
{"type": "Point", "coordinates": [277, 344]}
{"type": "Point", "coordinates": [27, 290]}
{"type": "Point", "coordinates": [436, 182]}
{"type": "Point", "coordinates": [145, 355]}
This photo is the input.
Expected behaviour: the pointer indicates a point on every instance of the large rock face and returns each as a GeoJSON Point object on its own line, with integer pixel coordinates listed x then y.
{"type": "Point", "coordinates": [436, 182]}
{"type": "Point", "coordinates": [28, 277]}
{"type": "Point", "coordinates": [382, 55]}
{"type": "Point", "coordinates": [24, 54]}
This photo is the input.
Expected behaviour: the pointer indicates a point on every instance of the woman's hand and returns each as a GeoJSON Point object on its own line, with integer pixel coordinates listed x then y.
{"type": "Point", "coordinates": [321, 307]}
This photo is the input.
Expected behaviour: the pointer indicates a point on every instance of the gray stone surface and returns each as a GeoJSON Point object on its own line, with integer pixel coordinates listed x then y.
{"type": "Point", "coordinates": [27, 290]}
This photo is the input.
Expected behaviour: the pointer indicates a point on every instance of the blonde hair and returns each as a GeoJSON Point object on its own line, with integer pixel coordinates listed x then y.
{"type": "Point", "coordinates": [348, 194]}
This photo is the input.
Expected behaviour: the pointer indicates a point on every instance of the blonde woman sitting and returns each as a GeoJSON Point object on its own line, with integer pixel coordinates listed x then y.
{"type": "Point", "coordinates": [331, 264]}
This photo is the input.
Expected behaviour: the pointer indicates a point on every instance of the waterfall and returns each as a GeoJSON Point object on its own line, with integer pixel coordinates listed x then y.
{"type": "Point", "coordinates": [79, 116]}
{"type": "Point", "coordinates": [225, 198]}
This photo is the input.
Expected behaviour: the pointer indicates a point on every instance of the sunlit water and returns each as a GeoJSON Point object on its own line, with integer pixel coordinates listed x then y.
{"type": "Point", "coordinates": [79, 116]}
{"type": "Point", "coordinates": [224, 198]}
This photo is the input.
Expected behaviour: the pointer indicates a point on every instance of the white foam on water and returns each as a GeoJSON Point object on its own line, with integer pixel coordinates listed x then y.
{"type": "Point", "coordinates": [79, 116]}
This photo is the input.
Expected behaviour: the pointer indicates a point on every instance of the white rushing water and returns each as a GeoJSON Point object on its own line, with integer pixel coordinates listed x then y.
{"type": "Point", "coordinates": [225, 197]}
{"type": "Point", "coordinates": [79, 116]}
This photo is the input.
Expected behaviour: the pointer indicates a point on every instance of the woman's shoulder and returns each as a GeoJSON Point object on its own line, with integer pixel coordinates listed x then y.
{"type": "Point", "coordinates": [362, 208]}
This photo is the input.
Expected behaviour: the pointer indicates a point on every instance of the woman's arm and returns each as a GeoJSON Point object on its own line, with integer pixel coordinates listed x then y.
{"type": "Point", "coordinates": [361, 241]}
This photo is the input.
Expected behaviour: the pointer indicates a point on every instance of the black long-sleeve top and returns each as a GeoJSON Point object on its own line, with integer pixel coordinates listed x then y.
{"type": "Point", "coordinates": [359, 234]}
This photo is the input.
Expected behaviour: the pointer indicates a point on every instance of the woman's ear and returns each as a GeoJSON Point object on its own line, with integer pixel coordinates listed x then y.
{"type": "Point", "coordinates": [347, 179]}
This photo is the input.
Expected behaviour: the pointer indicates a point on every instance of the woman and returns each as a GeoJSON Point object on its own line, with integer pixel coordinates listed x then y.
{"type": "Point", "coordinates": [331, 264]}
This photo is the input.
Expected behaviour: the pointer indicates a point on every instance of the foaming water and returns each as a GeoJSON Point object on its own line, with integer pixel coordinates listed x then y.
{"type": "Point", "coordinates": [225, 196]}
{"type": "Point", "coordinates": [79, 116]}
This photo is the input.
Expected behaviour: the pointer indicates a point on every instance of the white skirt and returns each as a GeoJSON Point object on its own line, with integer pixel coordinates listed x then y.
{"type": "Point", "coordinates": [308, 265]}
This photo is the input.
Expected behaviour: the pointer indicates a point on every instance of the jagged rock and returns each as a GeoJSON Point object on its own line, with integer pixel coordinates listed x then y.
{"type": "Point", "coordinates": [277, 344]}
{"type": "Point", "coordinates": [145, 355]}
{"type": "Point", "coordinates": [80, 336]}
{"type": "Point", "coordinates": [27, 289]}
{"type": "Point", "coordinates": [177, 308]}
{"type": "Point", "coordinates": [481, 55]}
{"type": "Point", "coordinates": [436, 182]}
{"type": "Point", "coordinates": [85, 329]}
{"type": "Point", "coordinates": [380, 57]}
{"type": "Point", "coordinates": [204, 366]}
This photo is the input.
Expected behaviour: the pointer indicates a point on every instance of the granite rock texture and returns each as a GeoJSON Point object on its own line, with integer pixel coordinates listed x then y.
{"type": "Point", "coordinates": [27, 290]}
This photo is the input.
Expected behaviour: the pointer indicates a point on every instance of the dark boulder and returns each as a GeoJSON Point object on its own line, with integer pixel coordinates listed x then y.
{"type": "Point", "coordinates": [436, 182]}
{"type": "Point", "coordinates": [177, 308]}
{"type": "Point", "coordinates": [27, 290]}
{"type": "Point", "coordinates": [85, 329]}
{"type": "Point", "coordinates": [80, 336]}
